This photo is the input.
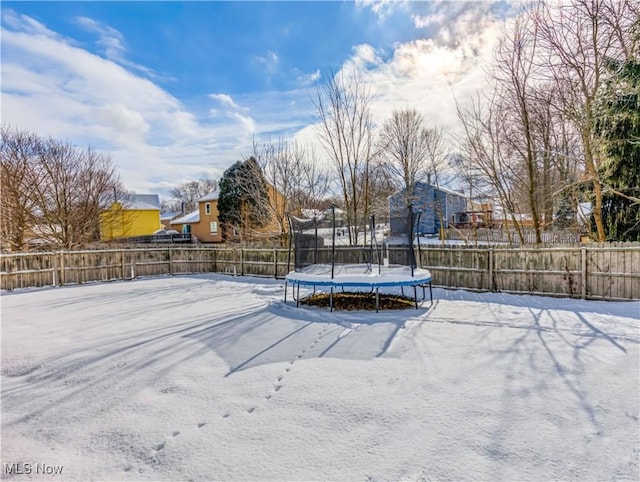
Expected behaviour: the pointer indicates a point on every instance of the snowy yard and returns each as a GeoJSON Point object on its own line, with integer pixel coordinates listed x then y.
{"type": "Point", "coordinates": [207, 377]}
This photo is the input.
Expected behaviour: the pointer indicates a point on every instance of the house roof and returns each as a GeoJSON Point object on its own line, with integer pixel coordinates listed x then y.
{"type": "Point", "coordinates": [439, 188]}
{"type": "Point", "coordinates": [311, 213]}
{"type": "Point", "coordinates": [451, 191]}
{"type": "Point", "coordinates": [212, 196]}
{"type": "Point", "coordinates": [337, 210]}
{"type": "Point", "coordinates": [169, 215]}
{"type": "Point", "coordinates": [191, 218]}
{"type": "Point", "coordinates": [142, 202]}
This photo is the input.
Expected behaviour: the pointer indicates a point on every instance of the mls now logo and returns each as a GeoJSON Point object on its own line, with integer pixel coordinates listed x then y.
{"type": "Point", "coordinates": [27, 469]}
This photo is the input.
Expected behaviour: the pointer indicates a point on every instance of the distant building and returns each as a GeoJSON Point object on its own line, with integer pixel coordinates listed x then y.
{"type": "Point", "coordinates": [167, 217]}
{"type": "Point", "coordinates": [135, 215]}
{"type": "Point", "coordinates": [479, 215]}
{"type": "Point", "coordinates": [438, 205]}
{"type": "Point", "coordinates": [203, 222]}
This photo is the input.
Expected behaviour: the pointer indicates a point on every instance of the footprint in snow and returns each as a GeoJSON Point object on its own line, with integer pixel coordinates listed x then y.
{"type": "Point", "coordinates": [226, 415]}
{"type": "Point", "coordinates": [202, 424]}
{"type": "Point", "coordinates": [158, 447]}
{"type": "Point", "coordinates": [250, 409]}
{"type": "Point", "coordinates": [175, 433]}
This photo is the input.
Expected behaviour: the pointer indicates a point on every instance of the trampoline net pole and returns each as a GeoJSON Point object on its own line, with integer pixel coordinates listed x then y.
{"type": "Point", "coordinates": [374, 242]}
{"type": "Point", "coordinates": [412, 256]}
{"type": "Point", "coordinates": [333, 239]}
{"type": "Point", "coordinates": [315, 252]}
{"type": "Point", "coordinates": [419, 260]}
{"type": "Point", "coordinates": [290, 242]}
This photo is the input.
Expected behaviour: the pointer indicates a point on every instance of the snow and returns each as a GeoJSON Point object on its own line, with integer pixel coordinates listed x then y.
{"type": "Point", "coordinates": [207, 377]}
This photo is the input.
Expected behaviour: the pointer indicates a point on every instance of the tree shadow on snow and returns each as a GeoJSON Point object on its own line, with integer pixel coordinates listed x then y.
{"type": "Point", "coordinates": [281, 333]}
{"type": "Point", "coordinates": [550, 346]}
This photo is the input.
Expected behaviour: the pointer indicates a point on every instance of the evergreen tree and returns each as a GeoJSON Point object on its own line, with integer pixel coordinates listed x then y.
{"type": "Point", "coordinates": [618, 126]}
{"type": "Point", "coordinates": [243, 200]}
{"type": "Point", "coordinates": [566, 214]}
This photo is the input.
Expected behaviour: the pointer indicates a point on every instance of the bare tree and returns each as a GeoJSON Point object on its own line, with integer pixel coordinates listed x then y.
{"type": "Point", "coordinates": [347, 133]}
{"type": "Point", "coordinates": [578, 38]}
{"type": "Point", "coordinates": [409, 152]}
{"type": "Point", "coordinates": [53, 191]}
{"type": "Point", "coordinates": [381, 186]}
{"type": "Point", "coordinates": [17, 209]}
{"type": "Point", "coordinates": [402, 143]}
{"type": "Point", "coordinates": [514, 79]}
{"type": "Point", "coordinates": [294, 171]}
{"type": "Point", "coordinates": [75, 187]}
{"type": "Point", "coordinates": [483, 148]}
{"type": "Point", "coordinates": [184, 197]}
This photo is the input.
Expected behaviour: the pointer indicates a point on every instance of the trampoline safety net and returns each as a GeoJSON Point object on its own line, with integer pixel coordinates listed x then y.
{"type": "Point", "coordinates": [312, 241]}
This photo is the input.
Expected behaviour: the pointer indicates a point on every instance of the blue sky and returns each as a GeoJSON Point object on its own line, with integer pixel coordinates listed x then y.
{"type": "Point", "coordinates": [178, 90]}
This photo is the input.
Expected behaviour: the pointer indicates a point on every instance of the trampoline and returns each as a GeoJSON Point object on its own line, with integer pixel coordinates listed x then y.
{"type": "Point", "coordinates": [317, 266]}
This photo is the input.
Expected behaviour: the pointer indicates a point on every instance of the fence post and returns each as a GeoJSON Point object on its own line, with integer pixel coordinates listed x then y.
{"type": "Point", "coordinates": [275, 263]}
{"type": "Point", "coordinates": [583, 263]}
{"type": "Point", "coordinates": [122, 269]}
{"type": "Point", "coordinates": [54, 270]}
{"type": "Point", "coordinates": [170, 261]}
{"type": "Point", "coordinates": [241, 261]}
{"type": "Point", "coordinates": [63, 278]}
{"type": "Point", "coordinates": [491, 285]}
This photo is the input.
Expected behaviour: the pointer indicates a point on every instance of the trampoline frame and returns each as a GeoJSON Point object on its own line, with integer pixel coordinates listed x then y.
{"type": "Point", "coordinates": [334, 283]}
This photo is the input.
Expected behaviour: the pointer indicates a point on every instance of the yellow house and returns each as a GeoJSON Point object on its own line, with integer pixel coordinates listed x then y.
{"type": "Point", "coordinates": [137, 215]}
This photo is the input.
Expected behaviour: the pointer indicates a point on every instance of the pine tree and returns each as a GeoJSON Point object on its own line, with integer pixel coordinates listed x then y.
{"type": "Point", "coordinates": [243, 200]}
{"type": "Point", "coordinates": [566, 214]}
{"type": "Point", "coordinates": [619, 129]}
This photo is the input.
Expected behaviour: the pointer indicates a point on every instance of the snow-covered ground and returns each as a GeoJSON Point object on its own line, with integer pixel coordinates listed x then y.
{"type": "Point", "coordinates": [207, 377]}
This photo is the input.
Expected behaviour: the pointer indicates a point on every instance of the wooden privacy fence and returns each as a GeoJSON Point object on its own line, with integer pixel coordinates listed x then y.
{"type": "Point", "coordinates": [611, 273]}
{"type": "Point", "coordinates": [510, 236]}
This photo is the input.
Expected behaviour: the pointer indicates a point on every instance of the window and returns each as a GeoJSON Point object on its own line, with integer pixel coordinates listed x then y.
{"type": "Point", "coordinates": [207, 208]}
{"type": "Point", "coordinates": [213, 227]}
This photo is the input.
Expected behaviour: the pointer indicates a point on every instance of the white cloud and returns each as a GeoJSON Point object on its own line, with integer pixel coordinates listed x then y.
{"type": "Point", "coordinates": [247, 122]}
{"type": "Point", "coordinates": [429, 74]}
{"type": "Point", "coordinates": [52, 86]}
{"type": "Point", "coordinates": [110, 38]}
{"type": "Point", "coordinates": [383, 8]}
{"type": "Point", "coordinates": [270, 60]}
{"type": "Point", "coordinates": [25, 23]}
{"type": "Point", "coordinates": [364, 55]}
{"type": "Point", "coordinates": [123, 119]}
{"type": "Point", "coordinates": [306, 79]}
{"type": "Point", "coordinates": [422, 21]}
{"type": "Point", "coordinates": [224, 99]}
{"type": "Point", "coordinates": [112, 43]}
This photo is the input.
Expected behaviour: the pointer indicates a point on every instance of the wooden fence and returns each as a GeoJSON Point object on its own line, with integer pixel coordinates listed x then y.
{"type": "Point", "coordinates": [611, 273]}
{"type": "Point", "coordinates": [510, 236]}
